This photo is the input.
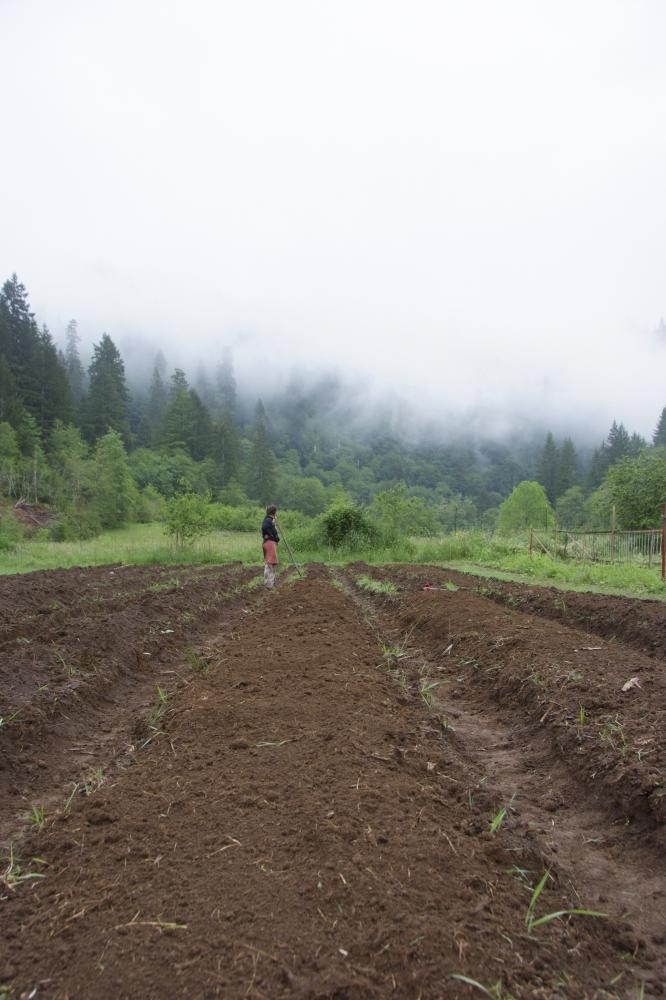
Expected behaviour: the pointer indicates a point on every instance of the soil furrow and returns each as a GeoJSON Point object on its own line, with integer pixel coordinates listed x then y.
{"type": "Point", "coordinates": [636, 622]}
{"type": "Point", "coordinates": [301, 829]}
{"type": "Point", "coordinates": [67, 728]}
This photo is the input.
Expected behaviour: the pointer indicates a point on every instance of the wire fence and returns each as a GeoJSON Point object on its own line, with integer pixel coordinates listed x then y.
{"type": "Point", "coordinates": [641, 547]}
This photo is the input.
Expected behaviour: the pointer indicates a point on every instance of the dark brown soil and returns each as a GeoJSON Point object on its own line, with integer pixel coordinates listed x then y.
{"type": "Point", "coordinates": [638, 623]}
{"type": "Point", "coordinates": [300, 820]}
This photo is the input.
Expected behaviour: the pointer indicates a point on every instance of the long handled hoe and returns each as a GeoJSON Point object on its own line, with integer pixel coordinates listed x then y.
{"type": "Point", "coordinates": [284, 539]}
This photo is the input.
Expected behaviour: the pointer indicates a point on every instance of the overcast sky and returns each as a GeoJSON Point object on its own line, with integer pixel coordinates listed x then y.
{"type": "Point", "coordinates": [466, 198]}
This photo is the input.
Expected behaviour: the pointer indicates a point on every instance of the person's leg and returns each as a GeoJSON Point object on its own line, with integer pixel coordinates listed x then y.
{"type": "Point", "coordinates": [269, 576]}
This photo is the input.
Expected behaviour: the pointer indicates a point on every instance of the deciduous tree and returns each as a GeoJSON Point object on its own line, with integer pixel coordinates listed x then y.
{"type": "Point", "coordinates": [526, 507]}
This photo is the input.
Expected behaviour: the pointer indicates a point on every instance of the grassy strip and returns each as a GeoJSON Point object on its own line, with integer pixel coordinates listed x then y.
{"type": "Point", "coordinates": [470, 551]}
{"type": "Point", "coordinates": [623, 580]}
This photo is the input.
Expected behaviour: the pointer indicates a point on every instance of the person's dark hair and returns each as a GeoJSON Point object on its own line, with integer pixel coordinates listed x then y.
{"type": "Point", "coordinates": [271, 509]}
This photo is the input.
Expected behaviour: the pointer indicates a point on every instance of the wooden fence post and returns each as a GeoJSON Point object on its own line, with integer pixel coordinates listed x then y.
{"type": "Point", "coordinates": [612, 538]}
{"type": "Point", "coordinates": [663, 545]}
{"type": "Point", "coordinates": [532, 532]}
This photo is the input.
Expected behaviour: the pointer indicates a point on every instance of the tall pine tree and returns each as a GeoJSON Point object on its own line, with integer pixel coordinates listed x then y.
{"type": "Point", "coordinates": [157, 403]}
{"type": "Point", "coordinates": [107, 403]}
{"type": "Point", "coordinates": [186, 424]}
{"type": "Point", "coordinates": [659, 436]}
{"type": "Point", "coordinates": [225, 386]}
{"type": "Point", "coordinates": [567, 468]}
{"type": "Point", "coordinates": [73, 366]}
{"type": "Point", "coordinates": [226, 449]}
{"type": "Point", "coordinates": [619, 443]}
{"type": "Point", "coordinates": [261, 474]}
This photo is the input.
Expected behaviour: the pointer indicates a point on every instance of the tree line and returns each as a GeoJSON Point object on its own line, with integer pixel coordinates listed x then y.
{"type": "Point", "coordinates": [74, 435]}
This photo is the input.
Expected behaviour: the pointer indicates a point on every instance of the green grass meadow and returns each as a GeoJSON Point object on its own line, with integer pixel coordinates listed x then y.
{"type": "Point", "coordinates": [471, 552]}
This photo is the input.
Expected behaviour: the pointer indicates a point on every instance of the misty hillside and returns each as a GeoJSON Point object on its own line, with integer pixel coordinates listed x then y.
{"type": "Point", "coordinates": [300, 446]}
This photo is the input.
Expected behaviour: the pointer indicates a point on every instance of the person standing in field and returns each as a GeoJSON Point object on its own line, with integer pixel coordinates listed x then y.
{"type": "Point", "coordinates": [270, 543]}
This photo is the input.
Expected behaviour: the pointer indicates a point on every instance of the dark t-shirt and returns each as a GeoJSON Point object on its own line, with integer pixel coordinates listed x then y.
{"type": "Point", "coordinates": [268, 529]}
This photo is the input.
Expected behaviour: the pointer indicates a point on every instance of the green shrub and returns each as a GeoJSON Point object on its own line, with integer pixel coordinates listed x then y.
{"type": "Point", "coordinates": [227, 518]}
{"type": "Point", "coordinates": [150, 505]}
{"type": "Point", "coordinates": [10, 532]}
{"type": "Point", "coordinates": [75, 526]}
{"type": "Point", "coordinates": [345, 525]}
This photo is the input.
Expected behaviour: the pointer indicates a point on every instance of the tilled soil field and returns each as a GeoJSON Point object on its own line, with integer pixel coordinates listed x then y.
{"type": "Point", "coordinates": [325, 792]}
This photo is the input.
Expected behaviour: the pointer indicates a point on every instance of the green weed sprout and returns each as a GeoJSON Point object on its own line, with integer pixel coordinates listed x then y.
{"type": "Point", "coordinates": [13, 873]}
{"type": "Point", "coordinates": [37, 815]}
{"type": "Point", "coordinates": [426, 690]}
{"type": "Point", "coordinates": [531, 921]}
{"type": "Point", "coordinates": [495, 991]}
{"type": "Point", "coordinates": [198, 662]}
{"type": "Point", "coordinates": [500, 815]}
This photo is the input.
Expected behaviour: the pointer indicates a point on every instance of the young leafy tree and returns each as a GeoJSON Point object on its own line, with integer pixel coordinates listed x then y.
{"type": "Point", "coordinates": [458, 512]}
{"type": "Point", "coordinates": [10, 456]}
{"type": "Point", "coordinates": [107, 404]}
{"type": "Point", "coordinates": [186, 516]}
{"type": "Point", "coordinates": [598, 508]}
{"type": "Point", "coordinates": [397, 514]}
{"type": "Point", "coordinates": [116, 494]}
{"type": "Point", "coordinates": [570, 508]}
{"type": "Point", "coordinates": [261, 476]}
{"type": "Point", "coordinates": [71, 475]}
{"type": "Point", "coordinates": [637, 487]}
{"type": "Point", "coordinates": [547, 472]}
{"type": "Point", "coordinates": [304, 493]}
{"type": "Point", "coordinates": [526, 507]}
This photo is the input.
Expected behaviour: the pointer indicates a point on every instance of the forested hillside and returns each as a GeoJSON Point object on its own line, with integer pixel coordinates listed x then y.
{"type": "Point", "coordinates": [73, 436]}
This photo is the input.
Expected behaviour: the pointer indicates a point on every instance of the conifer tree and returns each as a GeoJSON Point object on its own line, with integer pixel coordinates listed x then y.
{"type": "Point", "coordinates": [261, 475]}
{"type": "Point", "coordinates": [73, 366]}
{"type": "Point", "coordinates": [226, 393]}
{"type": "Point", "coordinates": [54, 400]}
{"type": "Point", "coordinates": [157, 404]}
{"type": "Point", "coordinates": [567, 468]}
{"type": "Point", "coordinates": [186, 424]}
{"type": "Point", "coordinates": [107, 404]}
{"type": "Point", "coordinates": [178, 382]}
{"type": "Point", "coordinates": [547, 471]}
{"type": "Point", "coordinates": [599, 464]}
{"type": "Point", "coordinates": [618, 443]}
{"type": "Point", "coordinates": [204, 389]}
{"type": "Point", "coordinates": [11, 408]}
{"type": "Point", "coordinates": [226, 448]}
{"type": "Point", "coordinates": [659, 436]}
{"type": "Point", "coordinates": [636, 445]}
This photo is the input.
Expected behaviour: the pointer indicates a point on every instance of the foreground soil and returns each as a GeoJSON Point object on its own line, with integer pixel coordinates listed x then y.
{"type": "Point", "coordinates": [334, 794]}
